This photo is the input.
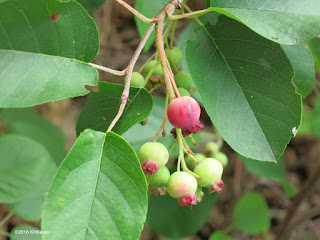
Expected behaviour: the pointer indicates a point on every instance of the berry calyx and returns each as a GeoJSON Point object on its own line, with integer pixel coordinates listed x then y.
{"type": "Point", "coordinates": [184, 80]}
{"type": "Point", "coordinates": [152, 156]}
{"type": "Point", "coordinates": [183, 185]}
{"type": "Point", "coordinates": [191, 164]}
{"type": "Point", "coordinates": [221, 157]}
{"type": "Point", "coordinates": [210, 170]}
{"type": "Point", "coordinates": [157, 183]}
{"type": "Point", "coordinates": [176, 55]}
{"type": "Point", "coordinates": [184, 113]}
{"type": "Point", "coordinates": [183, 92]}
{"type": "Point", "coordinates": [211, 148]}
{"type": "Point", "coordinates": [157, 72]}
{"type": "Point", "coordinates": [137, 80]}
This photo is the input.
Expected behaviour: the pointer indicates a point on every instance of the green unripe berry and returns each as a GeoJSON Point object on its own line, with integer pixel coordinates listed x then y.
{"type": "Point", "coordinates": [183, 80]}
{"type": "Point", "coordinates": [157, 182]}
{"type": "Point", "coordinates": [210, 170]}
{"type": "Point", "coordinates": [137, 80]}
{"type": "Point", "coordinates": [191, 163]}
{"type": "Point", "coordinates": [152, 156]}
{"type": "Point", "coordinates": [211, 148]}
{"type": "Point", "coordinates": [176, 55]}
{"type": "Point", "coordinates": [157, 72]}
{"type": "Point", "coordinates": [183, 185]}
{"type": "Point", "coordinates": [221, 157]}
{"type": "Point", "coordinates": [183, 92]}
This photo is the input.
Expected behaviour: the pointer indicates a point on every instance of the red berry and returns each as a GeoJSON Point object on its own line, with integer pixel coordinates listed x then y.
{"type": "Point", "coordinates": [184, 113]}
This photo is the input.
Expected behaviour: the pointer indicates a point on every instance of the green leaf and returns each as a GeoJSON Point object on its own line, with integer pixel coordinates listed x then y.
{"type": "Point", "coordinates": [103, 106]}
{"type": "Point", "coordinates": [187, 33]}
{"type": "Point", "coordinates": [285, 22]}
{"type": "Point", "coordinates": [314, 46]}
{"type": "Point", "coordinates": [302, 63]}
{"type": "Point", "coordinates": [220, 235]}
{"type": "Point", "coordinates": [142, 133]}
{"type": "Point", "coordinates": [25, 232]}
{"type": "Point", "coordinates": [168, 218]}
{"type": "Point", "coordinates": [271, 170]}
{"type": "Point", "coordinates": [149, 9]}
{"type": "Point", "coordinates": [25, 165]}
{"type": "Point", "coordinates": [42, 59]}
{"type": "Point", "coordinates": [100, 183]}
{"type": "Point", "coordinates": [245, 84]}
{"type": "Point", "coordinates": [26, 26]}
{"type": "Point", "coordinates": [26, 122]}
{"type": "Point", "coordinates": [288, 188]}
{"type": "Point", "coordinates": [315, 118]}
{"type": "Point", "coordinates": [252, 214]}
{"type": "Point", "coordinates": [30, 208]}
{"type": "Point", "coordinates": [91, 5]}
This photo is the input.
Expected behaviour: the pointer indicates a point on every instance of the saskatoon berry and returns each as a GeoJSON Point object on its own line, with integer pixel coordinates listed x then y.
{"type": "Point", "coordinates": [157, 182]}
{"type": "Point", "coordinates": [184, 113]}
{"type": "Point", "coordinates": [184, 80]}
{"type": "Point", "coordinates": [183, 185]}
{"type": "Point", "coordinates": [137, 80]}
{"type": "Point", "coordinates": [211, 148]}
{"type": "Point", "coordinates": [210, 170]}
{"type": "Point", "coordinates": [152, 156]}
{"type": "Point", "coordinates": [157, 72]}
{"type": "Point", "coordinates": [221, 157]}
{"type": "Point", "coordinates": [183, 92]}
{"type": "Point", "coordinates": [176, 55]}
{"type": "Point", "coordinates": [191, 164]}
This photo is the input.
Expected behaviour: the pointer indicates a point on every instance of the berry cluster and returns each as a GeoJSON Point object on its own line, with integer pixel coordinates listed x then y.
{"type": "Point", "coordinates": [181, 185]}
{"type": "Point", "coordinates": [183, 112]}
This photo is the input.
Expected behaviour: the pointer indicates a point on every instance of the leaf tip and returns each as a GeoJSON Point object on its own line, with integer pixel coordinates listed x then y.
{"type": "Point", "coordinates": [91, 88]}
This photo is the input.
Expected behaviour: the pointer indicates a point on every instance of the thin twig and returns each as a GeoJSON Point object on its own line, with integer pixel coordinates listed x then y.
{"type": "Point", "coordinates": [4, 233]}
{"type": "Point", "coordinates": [181, 155]}
{"type": "Point", "coordinates": [108, 70]}
{"type": "Point", "coordinates": [136, 13]}
{"type": "Point", "coordinates": [6, 218]}
{"type": "Point", "coordinates": [129, 70]}
{"type": "Point", "coordinates": [311, 213]}
{"type": "Point", "coordinates": [189, 15]}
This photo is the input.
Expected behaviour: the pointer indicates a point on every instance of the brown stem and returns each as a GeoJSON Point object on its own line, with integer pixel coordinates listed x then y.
{"type": "Point", "coordinates": [165, 117]}
{"type": "Point", "coordinates": [129, 70]}
{"type": "Point", "coordinates": [160, 18]}
{"type": "Point", "coordinates": [169, 8]}
{"type": "Point", "coordinates": [311, 213]}
{"type": "Point", "coordinates": [304, 192]}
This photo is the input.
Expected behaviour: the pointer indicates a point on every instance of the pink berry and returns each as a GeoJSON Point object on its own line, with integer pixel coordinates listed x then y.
{"type": "Point", "coordinates": [184, 113]}
{"type": "Point", "coordinates": [183, 186]}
